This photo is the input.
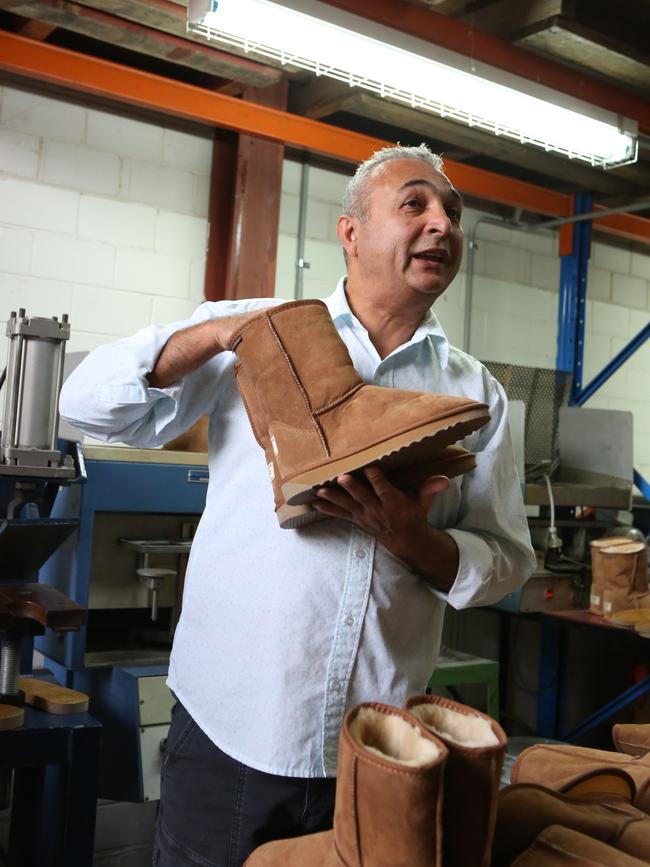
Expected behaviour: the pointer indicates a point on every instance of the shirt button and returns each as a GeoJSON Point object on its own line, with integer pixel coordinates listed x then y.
{"type": "Point", "coordinates": [349, 620]}
{"type": "Point", "coordinates": [336, 685]}
{"type": "Point", "coordinates": [361, 553]}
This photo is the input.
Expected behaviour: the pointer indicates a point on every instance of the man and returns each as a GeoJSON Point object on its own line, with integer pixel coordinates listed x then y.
{"type": "Point", "coordinates": [282, 630]}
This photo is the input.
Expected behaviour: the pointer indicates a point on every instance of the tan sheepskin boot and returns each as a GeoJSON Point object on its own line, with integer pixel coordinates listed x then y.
{"type": "Point", "coordinates": [322, 419]}
{"type": "Point", "coordinates": [562, 766]}
{"type": "Point", "coordinates": [596, 600]}
{"type": "Point", "coordinates": [452, 461]}
{"type": "Point", "coordinates": [476, 745]}
{"type": "Point", "coordinates": [632, 739]}
{"type": "Point", "coordinates": [388, 799]}
{"type": "Point", "coordinates": [619, 569]}
{"type": "Point", "coordinates": [525, 810]}
{"type": "Point", "coordinates": [562, 847]}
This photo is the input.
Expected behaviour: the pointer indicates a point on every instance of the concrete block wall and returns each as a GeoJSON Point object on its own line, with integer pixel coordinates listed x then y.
{"type": "Point", "coordinates": [515, 295]}
{"type": "Point", "coordinates": [102, 217]}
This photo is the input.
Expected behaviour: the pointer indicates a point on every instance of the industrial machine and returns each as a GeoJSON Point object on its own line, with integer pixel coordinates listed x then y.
{"type": "Point", "coordinates": [136, 516]}
{"type": "Point", "coordinates": [576, 482]}
{"type": "Point", "coordinates": [39, 750]}
{"type": "Point", "coordinates": [31, 470]}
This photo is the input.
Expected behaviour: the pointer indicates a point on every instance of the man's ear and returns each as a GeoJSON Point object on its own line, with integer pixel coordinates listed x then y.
{"type": "Point", "coordinates": [347, 233]}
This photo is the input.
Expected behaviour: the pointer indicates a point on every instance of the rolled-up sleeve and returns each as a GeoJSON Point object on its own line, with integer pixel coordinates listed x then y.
{"type": "Point", "coordinates": [109, 397]}
{"type": "Point", "coordinates": [495, 552]}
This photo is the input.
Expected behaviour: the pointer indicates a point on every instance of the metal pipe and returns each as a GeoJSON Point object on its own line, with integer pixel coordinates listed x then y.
{"type": "Point", "coordinates": [592, 215]}
{"type": "Point", "coordinates": [535, 227]}
{"type": "Point", "coordinates": [54, 431]}
{"type": "Point", "coordinates": [302, 231]}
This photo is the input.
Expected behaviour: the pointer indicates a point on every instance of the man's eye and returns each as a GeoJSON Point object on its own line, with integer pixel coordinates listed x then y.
{"type": "Point", "coordinates": [454, 214]}
{"type": "Point", "coordinates": [412, 203]}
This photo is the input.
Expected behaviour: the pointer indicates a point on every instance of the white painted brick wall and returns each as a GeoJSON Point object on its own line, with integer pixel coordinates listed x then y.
{"type": "Point", "coordinates": [137, 271]}
{"type": "Point", "coordinates": [125, 136]}
{"type": "Point", "coordinates": [20, 153]}
{"type": "Point", "coordinates": [16, 250]}
{"type": "Point", "coordinates": [37, 206]}
{"type": "Point", "coordinates": [514, 311]}
{"type": "Point", "coordinates": [101, 216]}
{"type": "Point", "coordinates": [126, 223]}
{"type": "Point", "coordinates": [630, 291]}
{"type": "Point", "coordinates": [80, 168]}
{"type": "Point", "coordinates": [73, 259]}
{"type": "Point", "coordinates": [53, 119]}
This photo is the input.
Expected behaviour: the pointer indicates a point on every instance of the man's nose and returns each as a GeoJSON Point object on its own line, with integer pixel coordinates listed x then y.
{"type": "Point", "coordinates": [438, 222]}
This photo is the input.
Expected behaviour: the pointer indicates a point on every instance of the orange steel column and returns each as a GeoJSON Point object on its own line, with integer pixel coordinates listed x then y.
{"type": "Point", "coordinates": [257, 205]}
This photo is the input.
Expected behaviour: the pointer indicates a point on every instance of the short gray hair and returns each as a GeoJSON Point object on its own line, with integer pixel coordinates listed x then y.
{"type": "Point", "coordinates": [355, 197]}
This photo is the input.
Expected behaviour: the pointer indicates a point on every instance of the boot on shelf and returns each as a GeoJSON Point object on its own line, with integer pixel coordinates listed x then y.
{"type": "Point", "coordinates": [476, 745]}
{"type": "Point", "coordinates": [321, 419]}
{"type": "Point", "coordinates": [388, 799]}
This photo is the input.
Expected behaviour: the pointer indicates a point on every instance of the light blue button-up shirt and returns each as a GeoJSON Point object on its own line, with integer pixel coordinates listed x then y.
{"type": "Point", "coordinates": [283, 630]}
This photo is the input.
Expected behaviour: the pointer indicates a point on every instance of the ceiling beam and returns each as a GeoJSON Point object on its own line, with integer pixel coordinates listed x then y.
{"type": "Point", "coordinates": [168, 16]}
{"type": "Point", "coordinates": [446, 7]}
{"type": "Point", "coordinates": [502, 17]}
{"type": "Point", "coordinates": [36, 30]}
{"type": "Point", "coordinates": [144, 40]}
{"type": "Point", "coordinates": [562, 37]}
{"type": "Point", "coordinates": [459, 37]}
{"type": "Point", "coordinates": [81, 73]}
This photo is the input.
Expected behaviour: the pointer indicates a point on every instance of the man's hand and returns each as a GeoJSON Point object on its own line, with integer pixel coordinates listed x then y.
{"type": "Point", "coordinates": [397, 521]}
{"type": "Point", "coordinates": [190, 348]}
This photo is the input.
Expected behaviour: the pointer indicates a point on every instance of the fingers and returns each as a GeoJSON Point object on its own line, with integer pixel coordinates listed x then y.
{"type": "Point", "coordinates": [350, 498]}
{"type": "Point", "coordinates": [430, 488]}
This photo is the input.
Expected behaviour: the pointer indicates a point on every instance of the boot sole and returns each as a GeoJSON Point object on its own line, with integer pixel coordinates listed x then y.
{"type": "Point", "coordinates": [299, 489]}
{"type": "Point", "coordinates": [293, 517]}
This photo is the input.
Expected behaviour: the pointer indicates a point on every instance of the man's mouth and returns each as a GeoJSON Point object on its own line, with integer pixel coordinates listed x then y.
{"type": "Point", "coordinates": [432, 256]}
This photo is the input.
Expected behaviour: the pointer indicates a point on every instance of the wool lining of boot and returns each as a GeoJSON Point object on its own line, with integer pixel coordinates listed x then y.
{"type": "Point", "coordinates": [467, 730]}
{"type": "Point", "coordinates": [392, 738]}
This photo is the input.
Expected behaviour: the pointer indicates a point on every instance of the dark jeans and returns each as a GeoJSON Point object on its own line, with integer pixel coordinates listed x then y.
{"type": "Point", "coordinates": [214, 810]}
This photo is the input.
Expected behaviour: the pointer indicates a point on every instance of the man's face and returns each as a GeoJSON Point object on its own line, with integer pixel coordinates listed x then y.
{"type": "Point", "coordinates": [412, 238]}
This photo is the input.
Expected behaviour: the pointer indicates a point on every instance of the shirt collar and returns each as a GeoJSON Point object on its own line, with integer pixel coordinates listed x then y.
{"type": "Point", "coordinates": [429, 329]}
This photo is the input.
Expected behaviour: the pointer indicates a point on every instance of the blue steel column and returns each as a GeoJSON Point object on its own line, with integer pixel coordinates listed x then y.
{"type": "Point", "coordinates": [573, 296]}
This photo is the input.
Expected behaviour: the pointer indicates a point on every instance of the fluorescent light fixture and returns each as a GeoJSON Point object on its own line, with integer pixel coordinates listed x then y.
{"type": "Point", "coordinates": [308, 34]}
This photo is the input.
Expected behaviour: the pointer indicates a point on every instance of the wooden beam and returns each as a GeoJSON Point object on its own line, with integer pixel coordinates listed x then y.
{"type": "Point", "coordinates": [36, 30]}
{"type": "Point", "coordinates": [562, 38]}
{"type": "Point", "coordinates": [167, 16]}
{"type": "Point", "coordinates": [507, 16]}
{"type": "Point", "coordinates": [457, 36]}
{"type": "Point", "coordinates": [144, 40]}
{"type": "Point", "coordinates": [28, 59]}
{"type": "Point", "coordinates": [446, 7]}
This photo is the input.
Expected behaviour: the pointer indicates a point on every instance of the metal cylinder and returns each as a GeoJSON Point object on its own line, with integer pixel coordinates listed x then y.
{"type": "Point", "coordinates": [34, 377]}
{"type": "Point", "coordinates": [9, 666]}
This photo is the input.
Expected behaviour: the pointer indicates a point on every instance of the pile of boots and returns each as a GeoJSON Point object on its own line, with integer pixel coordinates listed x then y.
{"type": "Point", "coordinates": [415, 788]}
{"type": "Point", "coordinates": [600, 800]}
{"type": "Point", "coordinates": [315, 418]}
{"type": "Point", "coordinates": [420, 788]}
